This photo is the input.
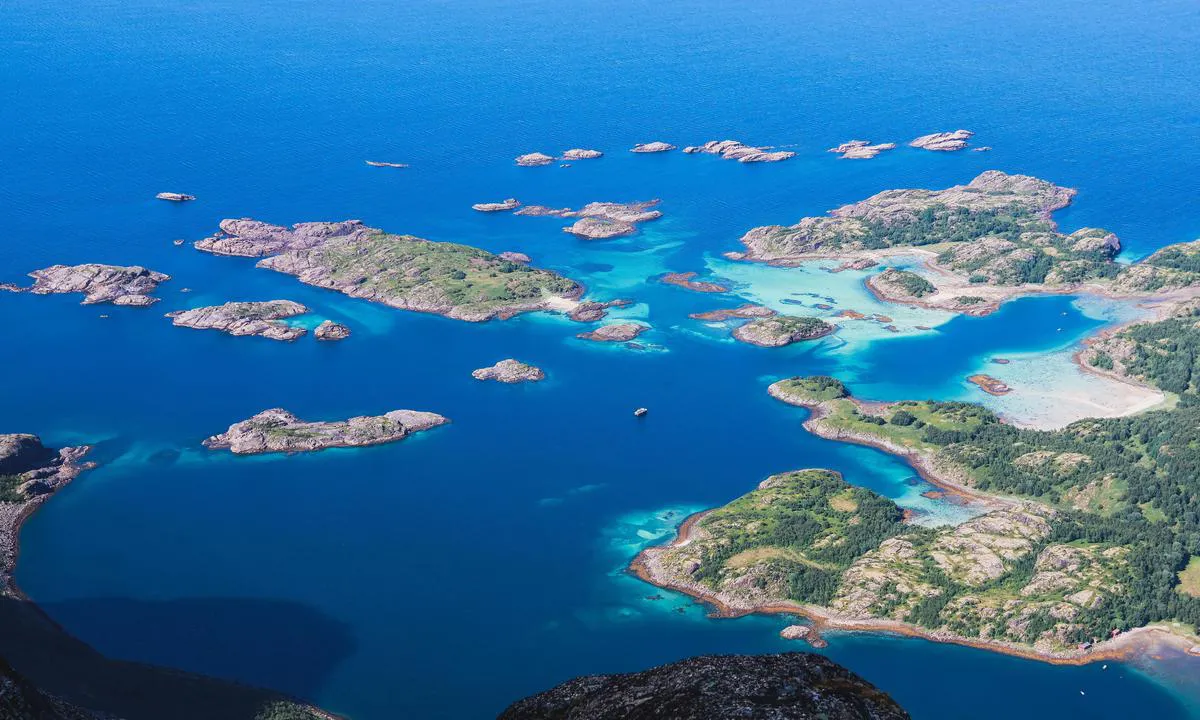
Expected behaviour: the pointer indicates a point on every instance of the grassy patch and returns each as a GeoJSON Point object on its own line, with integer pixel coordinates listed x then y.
{"type": "Point", "coordinates": [1189, 578]}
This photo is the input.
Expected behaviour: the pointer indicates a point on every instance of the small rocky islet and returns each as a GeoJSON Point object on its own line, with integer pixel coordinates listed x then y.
{"type": "Point", "coordinates": [279, 431]}
{"type": "Point", "coordinates": [115, 284]}
{"type": "Point", "coordinates": [245, 318]}
{"type": "Point", "coordinates": [614, 332]}
{"type": "Point", "coordinates": [745, 311]}
{"type": "Point", "coordinates": [687, 280]}
{"type": "Point", "coordinates": [781, 330]}
{"type": "Point", "coordinates": [331, 331]}
{"type": "Point", "coordinates": [735, 150]}
{"type": "Point", "coordinates": [861, 149]}
{"type": "Point", "coordinates": [943, 141]}
{"type": "Point", "coordinates": [510, 371]}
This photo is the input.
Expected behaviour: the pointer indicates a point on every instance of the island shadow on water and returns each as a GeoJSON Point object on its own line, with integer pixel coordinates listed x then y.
{"type": "Point", "coordinates": [293, 649]}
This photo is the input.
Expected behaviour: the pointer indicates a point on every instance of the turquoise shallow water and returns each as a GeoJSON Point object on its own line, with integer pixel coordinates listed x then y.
{"type": "Point", "coordinates": [380, 582]}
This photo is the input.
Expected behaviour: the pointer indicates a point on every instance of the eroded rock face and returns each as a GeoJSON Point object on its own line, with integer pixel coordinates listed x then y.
{"type": "Point", "coordinates": [616, 332]}
{"type": "Point", "coordinates": [943, 141]}
{"type": "Point", "coordinates": [652, 147]}
{"type": "Point", "coordinates": [401, 271]}
{"type": "Point", "coordinates": [790, 686]}
{"type": "Point", "coordinates": [100, 283]}
{"type": "Point", "coordinates": [245, 318]}
{"type": "Point", "coordinates": [277, 430]}
{"type": "Point", "coordinates": [329, 330]}
{"type": "Point", "coordinates": [860, 149]}
{"type": "Point", "coordinates": [510, 371]}
{"type": "Point", "coordinates": [734, 150]}
{"type": "Point", "coordinates": [782, 330]}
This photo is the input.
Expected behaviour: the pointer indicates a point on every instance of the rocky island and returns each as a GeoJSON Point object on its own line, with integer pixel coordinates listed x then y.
{"type": "Point", "coordinates": [614, 332]}
{"type": "Point", "coordinates": [534, 159]}
{"type": "Point", "coordinates": [652, 147]}
{"type": "Point", "coordinates": [510, 371]}
{"type": "Point", "coordinates": [943, 141]}
{"type": "Point", "coordinates": [401, 271]}
{"type": "Point", "coordinates": [329, 330]}
{"type": "Point", "coordinates": [1064, 563]}
{"type": "Point", "coordinates": [175, 197]}
{"type": "Point", "coordinates": [279, 431]}
{"type": "Point", "coordinates": [989, 384]}
{"type": "Point", "coordinates": [509, 204]}
{"type": "Point", "coordinates": [734, 150]}
{"type": "Point", "coordinates": [592, 310]}
{"type": "Point", "coordinates": [687, 280]}
{"type": "Point", "coordinates": [780, 330]}
{"type": "Point", "coordinates": [581, 154]}
{"type": "Point", "coordinates": [245, 318]}
{"type": "Point", "coordinates": [861, 149]}
{"type": "Point", "coordinates": [100, 283]}
{"type": "Point", "coordinates": [378, 163]}
{"type": "Point", "coordinates": [790, 686]}
{"type": "Point", "coordinates": [983, 243]}
{"type": "Point", "coordinates": [604, 220]}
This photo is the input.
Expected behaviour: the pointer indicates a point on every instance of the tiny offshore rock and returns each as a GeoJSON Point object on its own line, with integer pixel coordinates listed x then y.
{"type": "Point", "coordinates": [534, 159]}
{"type": "Point", "coordinates": [652, 147]}
{"type": "Point", "coordinates": [175, 197]}
{"type": "Point", "coordinates": [330, 330]}
{"type": "Point", "coordinates": [581, 154]}
{"type": "Point", "coordinates": [943, 141]}
{"type": "Point", "coordinates": [734, 150]}
{"type": "Point", "coordinates": [510, 371]}
{"type": "Point", "coordinates": [591, 310]}
{"type": "Point", "coordinates": [861, 149]}
{"type": "Point", "coordinates": [100, 283]}
{"type": "Point", "coordinates": [509, 204]}
{"type": "Point", "coordinates": [687, 280]}
{"type": "Point", "coordinates": [747, 311]}
{"type": "Point", "coordinates": [245, 318]}
{"type": "Point", "coordinates": [278, 431]}
{"type": "Point", "coordinates": [616, 332]}
{"type": "Point", "coordinates": [377, 163]}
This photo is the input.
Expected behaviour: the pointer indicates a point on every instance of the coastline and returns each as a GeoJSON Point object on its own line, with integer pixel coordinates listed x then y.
{"type": "Point", "coordinates": [1131, 645]}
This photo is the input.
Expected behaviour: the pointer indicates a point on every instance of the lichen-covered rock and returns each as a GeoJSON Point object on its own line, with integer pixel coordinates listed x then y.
{"type": "Point", "coordinates": [329, 330]}
{"type": "Point", "coordinates": [277, 430]}
{"type": "Point", "coordinates": [245, 318]}
{"type": "Point", "coordinates": [616, 332]}
{"type": "Point", "coordinates": [100, 283]}
{"type": "Point", "coordinates": [790, 686]}
{"type": "Point", "coordinates": [780, 330]}
{"type": "Point", "coordinates": [510, 371]}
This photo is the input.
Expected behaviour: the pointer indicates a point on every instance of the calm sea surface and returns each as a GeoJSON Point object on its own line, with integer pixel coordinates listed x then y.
{"type": "Point", "coordinates": [447, 575]}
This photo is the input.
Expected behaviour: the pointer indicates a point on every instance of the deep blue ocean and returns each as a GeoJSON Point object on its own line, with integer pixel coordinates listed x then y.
{"type": "Point", "coordinates": [449, 574]}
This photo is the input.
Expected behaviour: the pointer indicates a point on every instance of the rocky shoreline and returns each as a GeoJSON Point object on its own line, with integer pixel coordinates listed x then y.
{"type": "Point", "coordinates": [1128, 646]}
{"type": "Point", "coordinates": [401, 271]}
{"type": "Point", "coordinates": [36, 473]}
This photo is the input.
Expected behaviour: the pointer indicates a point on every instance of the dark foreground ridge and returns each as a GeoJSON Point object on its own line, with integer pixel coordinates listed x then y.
{"type": "Point", "coordinates": [789, 686]}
